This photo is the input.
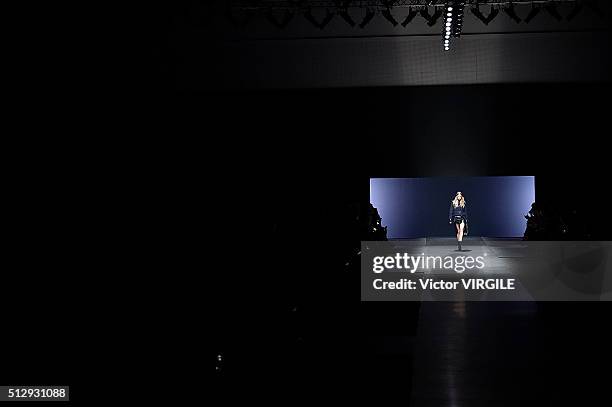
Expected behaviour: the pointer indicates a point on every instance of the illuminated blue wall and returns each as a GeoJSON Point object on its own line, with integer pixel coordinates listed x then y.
{"type": "Point", "coordinates": [417, 207]}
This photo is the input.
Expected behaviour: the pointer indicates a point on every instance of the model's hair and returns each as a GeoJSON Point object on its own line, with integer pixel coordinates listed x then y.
{"type": "Point", "coordinates": [459, 202]}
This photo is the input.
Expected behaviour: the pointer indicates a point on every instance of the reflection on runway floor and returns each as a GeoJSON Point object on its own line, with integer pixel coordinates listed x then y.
{"type": "Point", "coordinates": [498, 252]}
{"type": "Point", "coordinates": [470, 353]}
{"type": "Point", "coordinates": [505, 353]}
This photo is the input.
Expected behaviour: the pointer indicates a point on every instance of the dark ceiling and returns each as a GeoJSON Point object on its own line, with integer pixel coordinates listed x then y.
{"type": "Point", "coordinates": [299, 19]}
{"type": "Point", "coordinates": [305, 44]}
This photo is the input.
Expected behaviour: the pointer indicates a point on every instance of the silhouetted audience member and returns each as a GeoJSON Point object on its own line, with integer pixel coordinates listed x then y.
{"type": "Point", "coordinates": [373, 226]}
{"type": "Point", "coordinates": [536, 227]}
{"type": "Point", "coordinates": [362, 223]}
{"type": "Point", "coordinates": [555, 224]}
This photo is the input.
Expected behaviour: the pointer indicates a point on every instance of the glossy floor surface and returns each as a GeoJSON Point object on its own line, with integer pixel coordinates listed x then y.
{"type": "Point", "coordinates": [333, 348]}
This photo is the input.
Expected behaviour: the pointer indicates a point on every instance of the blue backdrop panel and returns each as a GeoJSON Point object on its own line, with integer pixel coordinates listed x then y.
{"type": "Point", "coordinates": [418, 207]}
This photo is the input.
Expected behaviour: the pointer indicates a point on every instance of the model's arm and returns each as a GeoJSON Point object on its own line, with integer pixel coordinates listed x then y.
{"type": "Point", "coordinates": [465, 213]}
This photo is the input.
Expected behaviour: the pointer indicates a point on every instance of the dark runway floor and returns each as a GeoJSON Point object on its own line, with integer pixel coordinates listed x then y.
{"type": "Point", "coordinates": [471, 353]}
{"type": "Point", "coordinates": [331, 347]}
{"type": "Point", "coordinates": [508, 354]}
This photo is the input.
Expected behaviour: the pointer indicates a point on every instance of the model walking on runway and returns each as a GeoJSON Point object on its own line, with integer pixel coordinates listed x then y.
{"type": "Point", "coordinates": [457, 214]}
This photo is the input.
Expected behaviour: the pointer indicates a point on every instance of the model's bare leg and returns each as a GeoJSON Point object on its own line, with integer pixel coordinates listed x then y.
{"type": "Point", "coordinates": [460, 231]}
{"type": "Point", "coordinates": [457, 226]}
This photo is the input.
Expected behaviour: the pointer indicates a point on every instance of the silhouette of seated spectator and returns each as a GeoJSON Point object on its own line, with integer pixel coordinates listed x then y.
{"type": "Point", "coordinates": [555, 224]}
{"type": "Point", "coordinates": [536, 224]}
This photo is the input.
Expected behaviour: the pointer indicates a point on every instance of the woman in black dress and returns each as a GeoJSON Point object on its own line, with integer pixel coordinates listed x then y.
{"type": "Point", "coordinates": [457, 214]}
